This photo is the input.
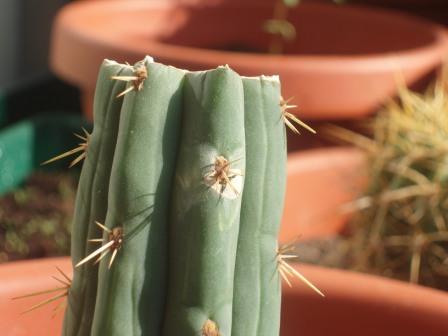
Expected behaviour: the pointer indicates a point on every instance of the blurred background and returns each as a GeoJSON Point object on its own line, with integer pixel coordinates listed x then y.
{"type": "Point", "coordinates": [368, 192]}
{"type": "Point", "coordinates": [25, 36]}
{"type": "Point", "coordinates": [25, 27]}
{"type": "Point", "coordinates": [42, 105]}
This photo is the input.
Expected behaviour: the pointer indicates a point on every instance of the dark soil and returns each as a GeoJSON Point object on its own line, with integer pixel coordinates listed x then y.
{"type": "Point", "coordinates": [35, 219]}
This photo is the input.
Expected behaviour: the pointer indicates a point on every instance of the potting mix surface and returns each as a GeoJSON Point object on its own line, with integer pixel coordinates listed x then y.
{"type": "Point", "coordinates": [35, 218]}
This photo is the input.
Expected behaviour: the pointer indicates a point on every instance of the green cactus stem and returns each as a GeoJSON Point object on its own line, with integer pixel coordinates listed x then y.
{"type": "Point", "coordinates": [179, 203]}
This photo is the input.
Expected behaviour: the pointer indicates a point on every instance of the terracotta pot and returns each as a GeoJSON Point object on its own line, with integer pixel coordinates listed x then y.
{"type": "Point", "coordinates": [434, 10]}
{"type": "Point", "coordinates": [343, 64]}
{"type": "Point", "coordinates": [355, 304]}
{"type": "Point", "coordinates": [319, 182]}
{"type": "Point", "coordinates": [25, 277]}
{"type": "Point", "coordinates": [359, 304]}
{"type": "Point", "coordinates": [405, 3]}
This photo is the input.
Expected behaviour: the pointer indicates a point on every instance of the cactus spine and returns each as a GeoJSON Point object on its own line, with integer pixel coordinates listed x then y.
{"type": "Point", "coordinates": [190, 169]}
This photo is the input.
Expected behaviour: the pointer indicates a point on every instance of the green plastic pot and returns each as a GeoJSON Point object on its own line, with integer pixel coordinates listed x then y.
{"type": "Point", "coordinates": [25, 145]}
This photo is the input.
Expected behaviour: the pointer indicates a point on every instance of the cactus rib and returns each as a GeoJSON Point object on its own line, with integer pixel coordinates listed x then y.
{"type": "Point", "coordinates": [205, 221]}
{"type": "Point", "coordinates": [256, 297]}
{"type": "Point", "coordinates": [140, 184]}
{"type": "Point", "coordinates": [92, 196]}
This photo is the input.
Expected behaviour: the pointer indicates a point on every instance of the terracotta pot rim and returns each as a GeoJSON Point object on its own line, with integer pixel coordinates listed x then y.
{"type": "Point", "coordinates": [301, 160]}
{"type": "Point", "coordinates": [10, 270]}
{"type": "Point", "coordinates": [333, 86]}
{"type": "Point", "coordinates": [358, 282]}
{"type": "Point", "coordinates": [371, 297]}
{"type": "Point", "coordinates": [326, 62]}
{"type": "Point", "coordinates": [338, 282]}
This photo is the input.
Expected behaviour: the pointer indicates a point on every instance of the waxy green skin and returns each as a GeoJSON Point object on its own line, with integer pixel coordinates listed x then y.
{"type": "Point", "coordinates": [204, 224]}
{"type": "Point", "coordinates": [131, 294]}
{"type": "Point", "coordinates": [92, 195]}
{"type": "Point", "coordinates": [191, 253]}
{"type": "Point", "coordinates": [257, 293]}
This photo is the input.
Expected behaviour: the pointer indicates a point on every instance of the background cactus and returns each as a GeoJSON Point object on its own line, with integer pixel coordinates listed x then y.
{"type": "Point", "coordinates": [400, 227]}
{"type": "Point", "coordinates": [186, 233]}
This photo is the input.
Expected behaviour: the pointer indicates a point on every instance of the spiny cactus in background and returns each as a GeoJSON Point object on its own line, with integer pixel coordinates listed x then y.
{"type": "Point", "coordinates": [182, 187]}
{"type": "Point", "coordinates": [401, 224]}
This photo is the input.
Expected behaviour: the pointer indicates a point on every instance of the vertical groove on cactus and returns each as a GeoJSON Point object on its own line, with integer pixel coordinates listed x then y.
{"type": "Point", "coordinates": [91, 200]}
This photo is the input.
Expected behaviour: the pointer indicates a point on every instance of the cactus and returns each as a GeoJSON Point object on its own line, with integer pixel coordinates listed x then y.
{"type": "Point", "coordinates": [400, 228]}
{"type": "Point", "coordinates": [182, 192]}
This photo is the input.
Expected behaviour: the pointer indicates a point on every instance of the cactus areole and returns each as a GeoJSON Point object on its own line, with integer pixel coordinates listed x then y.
{"type": "Point", "coordinates": [179, 205]}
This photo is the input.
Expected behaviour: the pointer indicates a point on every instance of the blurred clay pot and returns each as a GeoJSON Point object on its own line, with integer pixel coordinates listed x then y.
{"type": "Point", "coordinates": [344, 62]}
{"type": "Point", "coordinates": [359, 304]}
{"type": "Point", "coordinates": [355, 304]}
{"type": "Point", "coordinates": [25, 277]}
{"type": "Point", "coordinates": [319, 183]}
